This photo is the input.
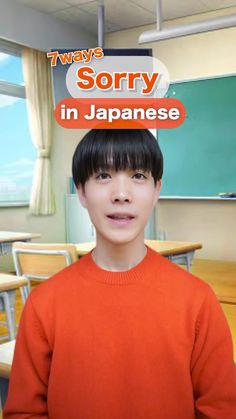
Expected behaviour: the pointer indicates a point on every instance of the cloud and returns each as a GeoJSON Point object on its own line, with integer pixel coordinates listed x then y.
{"type": "Point", "coordinates": [7, 184]}
{"type": "Point", "coordinates": [25, 175]}
{"type": "Point", "coordinates": [8, 100]}
{"type": "Point", "coordinates": [19, 163]}
{"type": "Point", "coordinates": [3, 57]}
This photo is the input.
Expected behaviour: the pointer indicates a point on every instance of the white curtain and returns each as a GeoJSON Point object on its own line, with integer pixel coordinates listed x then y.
{"type": "Point", "coordinates": [37, 76]}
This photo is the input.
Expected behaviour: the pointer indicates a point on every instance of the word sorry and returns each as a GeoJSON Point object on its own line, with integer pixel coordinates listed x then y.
{"type": "Point", "coordinates": [104, 80]}
{"type": "Point", "coordinates": [75, 56]}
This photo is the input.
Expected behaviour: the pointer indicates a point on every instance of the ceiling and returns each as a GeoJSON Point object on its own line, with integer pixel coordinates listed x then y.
{"type": "Point", "coordinates": [122, 14]}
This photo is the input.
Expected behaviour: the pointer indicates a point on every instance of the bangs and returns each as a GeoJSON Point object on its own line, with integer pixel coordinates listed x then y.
{"type": "Point", "coordinates": [118, 153]}
{"type": "Point", "coordinates": [116, 150]}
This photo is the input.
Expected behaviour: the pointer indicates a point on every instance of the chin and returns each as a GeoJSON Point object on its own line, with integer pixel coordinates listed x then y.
{"type": "Point", "coordinates": [120, 238]}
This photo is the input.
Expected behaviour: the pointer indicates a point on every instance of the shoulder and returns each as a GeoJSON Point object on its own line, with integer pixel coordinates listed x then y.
{"type": "Point", "coordinates": [186, 296]}
{"type": "Point", "coordinates": [47, 299]}
{"type": "Point", "coordinates": [60, 283]}
{"type": "Point", "coordinates": [178, 282]}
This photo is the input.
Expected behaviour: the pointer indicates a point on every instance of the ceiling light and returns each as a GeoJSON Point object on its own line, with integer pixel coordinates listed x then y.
{"type": "Point", "coordinates": [187, 29]}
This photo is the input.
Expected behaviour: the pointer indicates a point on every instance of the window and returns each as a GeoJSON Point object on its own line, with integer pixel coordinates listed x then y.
{"type": "Point", "coordinates": [17, 156]}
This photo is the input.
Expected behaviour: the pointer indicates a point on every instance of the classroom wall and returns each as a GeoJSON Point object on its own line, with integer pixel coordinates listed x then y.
{"type": "Point", "coordinates": [35, 29]}
{"type": "Point", "coordinates": [202, 55]}
{"type": "Point", "coordinates": [38, 30]}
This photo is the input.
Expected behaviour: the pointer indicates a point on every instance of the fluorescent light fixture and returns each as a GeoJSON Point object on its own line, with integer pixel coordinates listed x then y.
{"type": "Point", "coordinates": [188, 29]}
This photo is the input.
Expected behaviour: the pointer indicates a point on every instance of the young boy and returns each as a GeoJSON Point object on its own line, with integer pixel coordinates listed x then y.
{"type": "Point", "coordinates": [123, 333]}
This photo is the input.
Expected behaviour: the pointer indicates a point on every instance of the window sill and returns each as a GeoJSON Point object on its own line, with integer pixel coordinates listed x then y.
{"type": "Point", "coordinates": [5, 204]}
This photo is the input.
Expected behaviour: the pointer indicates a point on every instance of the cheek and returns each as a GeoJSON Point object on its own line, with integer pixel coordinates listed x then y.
{"type": "Point", "coordinates": [95, 200]}
{"type": "Point", "coordinates": [147, 197]}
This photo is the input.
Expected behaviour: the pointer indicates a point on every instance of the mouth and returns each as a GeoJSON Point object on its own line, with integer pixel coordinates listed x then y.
{"type": "Point", "coordinates": [120, 216]}
{"type": "Point", "coordinates": [121, 219]}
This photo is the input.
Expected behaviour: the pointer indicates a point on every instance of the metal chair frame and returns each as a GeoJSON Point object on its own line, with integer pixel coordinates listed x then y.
{"type": "Point", "coordinates": [17, 252]}
{"type": "Point", "coordinates": [7, 303]}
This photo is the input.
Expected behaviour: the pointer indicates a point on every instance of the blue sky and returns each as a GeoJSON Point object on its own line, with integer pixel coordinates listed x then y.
{"type": "Point", "coordinates": [17, 155]}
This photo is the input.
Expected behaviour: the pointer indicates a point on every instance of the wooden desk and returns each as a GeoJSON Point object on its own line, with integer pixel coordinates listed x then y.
{"type": "Point", "coordinates": [11, 282]}
{"type": "Point", "coordinates": [178, 252]}
{"type": "Point", "coordinates": [230, 314]}
{"type": "Point", "coordinates": [9, 237]}
{"type": "Point", "coordinates": [6, 357]}
{"type": "Point", "coordinates": [8, 286]}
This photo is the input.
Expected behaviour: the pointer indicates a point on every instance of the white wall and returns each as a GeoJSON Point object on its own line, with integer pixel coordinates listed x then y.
{"type": "Point", "coordinates": [202, 55]}
{"type": "Point", "coordinates": [35, 29]}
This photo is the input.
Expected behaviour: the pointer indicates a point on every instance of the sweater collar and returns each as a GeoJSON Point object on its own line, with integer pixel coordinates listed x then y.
{"type": "Point", "coordinates": [139, 272]}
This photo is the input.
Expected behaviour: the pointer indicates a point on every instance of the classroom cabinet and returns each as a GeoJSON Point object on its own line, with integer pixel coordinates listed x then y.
{"type": "Point", "coordinates": [79, 228]}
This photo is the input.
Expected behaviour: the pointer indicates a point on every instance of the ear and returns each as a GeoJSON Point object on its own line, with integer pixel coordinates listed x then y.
{"type": "Point", "coordinates": [81, 194]}
{"type": "Point", "coordinates": [157, 192]}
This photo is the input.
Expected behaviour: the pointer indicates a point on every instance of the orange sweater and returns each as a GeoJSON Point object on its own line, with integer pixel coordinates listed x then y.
{"type": "Point", "coordinates": [149, 343]}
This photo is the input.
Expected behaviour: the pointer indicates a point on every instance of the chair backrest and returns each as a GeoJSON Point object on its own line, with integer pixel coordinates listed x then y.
{"type": "Point", "coordinates": [40, 261]}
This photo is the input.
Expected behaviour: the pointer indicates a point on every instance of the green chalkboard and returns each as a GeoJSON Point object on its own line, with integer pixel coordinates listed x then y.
{"type": "Point", "coordinates": [200, 155]}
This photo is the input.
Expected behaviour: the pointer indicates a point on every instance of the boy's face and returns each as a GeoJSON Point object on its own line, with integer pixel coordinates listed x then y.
{"type": "Point", "coordinates": [119, 203]}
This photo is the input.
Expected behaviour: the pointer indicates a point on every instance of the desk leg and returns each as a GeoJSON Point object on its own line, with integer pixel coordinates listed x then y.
{"type": "Point", "coordinates": [183, 259]}
{"type": "Point", "coordinates": [4, 383]}
{"type": "Point", "coordinates": [189, 260]}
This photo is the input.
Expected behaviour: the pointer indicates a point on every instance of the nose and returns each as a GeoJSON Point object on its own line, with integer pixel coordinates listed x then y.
{"type": "Point", "coordinates": [120, 190]}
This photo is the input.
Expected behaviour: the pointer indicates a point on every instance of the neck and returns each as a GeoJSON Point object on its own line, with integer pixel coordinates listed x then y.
{"type": "Point", "coordinates": [119, 257]}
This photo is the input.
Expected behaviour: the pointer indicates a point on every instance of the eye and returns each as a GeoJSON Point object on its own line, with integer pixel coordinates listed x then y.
{"type": "Point", "coordinates": [102, 176]}
{"type": "Point", "coordinates": [139, 176]}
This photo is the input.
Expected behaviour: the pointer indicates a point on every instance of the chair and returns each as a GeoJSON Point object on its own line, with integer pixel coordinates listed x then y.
{"type": "Point", "coordinates": [37, 262]}
{"type": "Point", "coordinates": [9, 284]}
{"type": "Point", "coordinates": [6, 358]}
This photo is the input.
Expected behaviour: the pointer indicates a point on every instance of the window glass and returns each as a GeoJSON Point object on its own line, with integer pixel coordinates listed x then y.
{"type": "Point", "coordinates": [17, 156]}
{"type": "Point", "coordinates": [11, 68]}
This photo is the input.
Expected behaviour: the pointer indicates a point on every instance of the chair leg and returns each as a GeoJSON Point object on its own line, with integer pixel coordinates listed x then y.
{"type": "Point", "coordinates": [9, 315]}
{"type": "Point", "coordinates": [4, 382]}
{"type": "Point", "coordinates": [24, 291]}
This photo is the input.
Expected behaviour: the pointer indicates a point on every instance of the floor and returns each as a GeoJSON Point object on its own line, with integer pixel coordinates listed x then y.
{"type": "Point", "coordinates": [221, 276]}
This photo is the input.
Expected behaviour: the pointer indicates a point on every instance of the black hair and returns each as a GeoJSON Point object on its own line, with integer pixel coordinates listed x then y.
{"type": "Point", "coordinates": [116, 149]}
